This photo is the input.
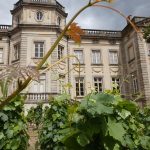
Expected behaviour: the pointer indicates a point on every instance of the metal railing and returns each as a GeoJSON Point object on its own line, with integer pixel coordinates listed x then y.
{"type": "Point", "coordinates": [102, 33]}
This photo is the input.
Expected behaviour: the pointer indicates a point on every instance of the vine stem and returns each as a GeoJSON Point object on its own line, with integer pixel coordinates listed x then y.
{"type": "Point", "coordinates": [38, 67]}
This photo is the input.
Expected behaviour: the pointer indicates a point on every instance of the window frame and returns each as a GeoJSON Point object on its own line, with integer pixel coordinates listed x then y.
{"type": "Point", "coordinates": [16, 52]}
{"type": "Point", "coordinates": [39, 56]}
{"type": "Point", "coordinates": [135, 85]}
{"type": "Point", "coordinates": [113, 62]}
{"type": "Point", "coordinates": [128, 53]}
{"type": "Point", "coordinates": [116, 82]}
{"type": "Point", "coordinates": [79, 81]}
{"type": "Point", "coordinates": [98, 83]}
{"type": "Point", "coordinates": [60, 52]}
{"type": "Point", "coordinates": [39, 15]}
{"type": "Point", "coordinates": [59, 20]}
{"type": "Point", "coordinates": [96, 61]}
{"type": "Point", "coordinates": [75, 60]}
{"type": "Point", "coordinates": [2, 58]}
{"type": "Point", "coordinates": [61, 83]}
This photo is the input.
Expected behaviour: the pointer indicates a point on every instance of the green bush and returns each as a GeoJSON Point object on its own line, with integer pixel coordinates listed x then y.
{"type": "Point", "coordinates": [13, 127]}
{"type": "Point", "coordinates": [100, 121]}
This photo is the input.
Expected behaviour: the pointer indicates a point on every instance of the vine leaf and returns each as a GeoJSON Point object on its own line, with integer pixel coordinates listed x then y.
{"type": "Point", "coordinates": [75, 32]}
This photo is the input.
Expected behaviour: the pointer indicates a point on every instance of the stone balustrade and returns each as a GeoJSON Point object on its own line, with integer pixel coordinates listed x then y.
{"type": "Point", "coordinates": [4, 28]}
{"type": "Point", "coordinates": [38, 97]}
{"type": "Point", "coordinates": [102, 33]}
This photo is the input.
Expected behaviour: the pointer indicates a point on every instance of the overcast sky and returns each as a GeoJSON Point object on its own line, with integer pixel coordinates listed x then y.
{"type": "Point", "coordinates": [95, 18]}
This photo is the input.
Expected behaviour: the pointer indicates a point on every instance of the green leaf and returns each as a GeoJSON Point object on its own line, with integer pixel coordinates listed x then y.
{"type": "Point", "coordinates": [3, 117]}
{"type": "Point", "coordinates": [103, 98]}
{"type": "Point", "coordinates": [83, 140]}
{"type": "Point", "coordinates": [145, 142]}
{"type": "Point", "coordinates": [9, 133]}
{"type": "Point", "coordinates": [115, 129]}
{"type": "Point", "coordinates": [124, 113]}
{"type": "Point", "coordinates": [1, 135]}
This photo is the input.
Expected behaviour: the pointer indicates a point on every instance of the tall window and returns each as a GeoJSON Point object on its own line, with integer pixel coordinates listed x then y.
{"type": "Point", "coordinates": [135, 85]}
{"type": "Point", "coordinates": [60, 51]}
{"type": "Point", "coordinates": [39, 15]}
{"type": "Point", "coordinates": [113, 57]}
{"type": "Point", "coordinates": [79, 86]}
{"type": "Point", "coordinates": [98, 84]}
{"type": "Point", "coordinates": [1, 55]}
{"type": "Point", "coordinates": [39, 87]}
{"type": "Point", "coordinates": [59, 21]}
{"type": "Point", "coordinates": [131, 53]}
{"type": "Point", "coordinates": [61, 83]}
{"type": "Point", "coordinates": [96, 57]}
{"type": "Point", "coordinates": [79, 55]}
{"type": "Point", "coordinates": [39, 49]}
{"type": "Point", "coordinates": [16, 52]}
{"type": "Point", "coordinates": [115, 83]}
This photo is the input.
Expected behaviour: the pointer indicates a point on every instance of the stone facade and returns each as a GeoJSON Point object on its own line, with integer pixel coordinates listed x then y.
{"type": "Point", "coordinates": [106, 57]}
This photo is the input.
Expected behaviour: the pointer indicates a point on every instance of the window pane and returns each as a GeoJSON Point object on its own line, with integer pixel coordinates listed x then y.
{"type": "Point", "coordinates": [98, 84]}
{"type": "Point", "coordinates": [113, 57]}
{"type": "Point", "coordinates": [79, 55]}
{"type": "Point", "coordinates": [131, 53]}
{"type": "Point", "coordinates": [96, 57]}
{"type": "Point", "coordinates": [39, 49]}
{"type": "Point", "coordinates": [1, 55]}
{"type": "Point", "coordinates": [60, 51]}
{"type": "Point", "coordinates": [79, 86]}
{"type": "Point", "coordinates": [116, 83]}
{"type": "Point", "coordinates": [16, 52]}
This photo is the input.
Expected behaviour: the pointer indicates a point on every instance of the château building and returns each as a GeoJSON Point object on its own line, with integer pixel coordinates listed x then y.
{"type": "Point", "coordinates": [106, 57]}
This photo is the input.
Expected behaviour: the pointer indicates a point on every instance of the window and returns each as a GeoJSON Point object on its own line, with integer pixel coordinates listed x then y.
{"type": "Point", "coordinates": [96, 58]}
{"type": "Point", "coordinates": [39, 15]}
{"type": "Point", "coordinates": [61, 83]}
{"type": "Point", "coordinates": [98, 84]}
{"type": "Point", "coordinates": [131, 53]}
{"type": "Point", "coordinates": [60, 51]}
{"type": "Point", "coordinates": [135, 85]}
{"type": "Point", "coordinates": [79, 86]}
{"type": "Point", "coordinates": [148, 52]}
{"type": "Point", "coordinates": [115, 83]}
{"type": "Point", "coordinates": [16, 52]}
{"type": "Point", "coordinates": [39, 49]}
{"type": "Point", "coordinates": [39, 87]}
{"type": "Point", "coordinates": [59, 21]}
{"type": "Point", "coordinates": [79, 55]}
{"type": "Point", "coordinates": [113, 57]}
{"type": "Point", "coordinates": [1, 55]}
{"type": "Point", "coordinates": [18, 19]}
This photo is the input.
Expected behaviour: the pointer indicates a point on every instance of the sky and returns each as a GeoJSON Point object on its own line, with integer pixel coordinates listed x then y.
{"type": "Point", "coordinates": [92, 18]}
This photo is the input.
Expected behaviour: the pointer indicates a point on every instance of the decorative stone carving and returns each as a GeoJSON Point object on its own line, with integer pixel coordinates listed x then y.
{"type": "Point", "coordinates": [114, 70]}
{"type": "Point", "coordinates": [97, 69]}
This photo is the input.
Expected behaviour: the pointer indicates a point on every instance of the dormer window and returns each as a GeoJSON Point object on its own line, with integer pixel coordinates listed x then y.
{"type": "Point", "coordinates": [39, 16]}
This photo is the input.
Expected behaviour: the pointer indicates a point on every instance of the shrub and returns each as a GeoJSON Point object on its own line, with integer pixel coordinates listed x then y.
{"type": "Point", "coordinates": [100, 121]}
{"type": "Point", "coordinates": [13, 127]}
